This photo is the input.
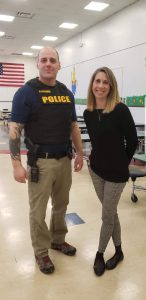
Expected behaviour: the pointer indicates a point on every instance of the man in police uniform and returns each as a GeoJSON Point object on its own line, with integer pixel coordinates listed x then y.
{"type": "Point", "coordinates": [45, 109]}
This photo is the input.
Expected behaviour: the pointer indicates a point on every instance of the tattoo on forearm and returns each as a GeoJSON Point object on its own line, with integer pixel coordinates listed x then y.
{"type": "Point", "coordinates": [15, 141]}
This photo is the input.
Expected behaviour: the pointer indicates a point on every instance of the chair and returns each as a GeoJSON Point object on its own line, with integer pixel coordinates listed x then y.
{"type": "Point", "coordinates": [1, 118]}
{"type": "Point", "coordinates": [136, 171]}
{"type": "Point", "coordinates": [6, 114]}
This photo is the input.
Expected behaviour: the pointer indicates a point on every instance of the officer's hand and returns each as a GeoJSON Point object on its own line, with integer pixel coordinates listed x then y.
{"type": "Point", "coordinates": [20, 174]}
{"type": "Point", "coordinates": [78, 163]}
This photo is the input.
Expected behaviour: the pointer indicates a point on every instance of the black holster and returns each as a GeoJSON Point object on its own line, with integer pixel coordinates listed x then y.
{"type": "Point", "coordinates": [32, 159]}
{"type": "Point", "coordinates": [34, 171]}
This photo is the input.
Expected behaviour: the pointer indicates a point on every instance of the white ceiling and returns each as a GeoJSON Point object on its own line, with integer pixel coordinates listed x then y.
{"type": "Point", "coordinates": [47, 15]}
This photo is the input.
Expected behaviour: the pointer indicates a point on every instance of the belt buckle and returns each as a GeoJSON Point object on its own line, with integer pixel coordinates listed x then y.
{"type": "Point", "coordinates": [46, 155]}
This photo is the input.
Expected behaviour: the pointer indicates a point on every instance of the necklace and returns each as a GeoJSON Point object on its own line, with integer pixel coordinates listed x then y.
{"type": "Point", "coordinates": [99, 112]}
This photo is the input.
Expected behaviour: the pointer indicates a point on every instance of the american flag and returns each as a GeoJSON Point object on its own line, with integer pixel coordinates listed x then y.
{"type": "Point", "coordinates": [11, 74]}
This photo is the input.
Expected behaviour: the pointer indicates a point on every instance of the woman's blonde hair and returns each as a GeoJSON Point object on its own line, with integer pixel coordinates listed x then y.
{"type": "Point", "coordinates": [113, 97]}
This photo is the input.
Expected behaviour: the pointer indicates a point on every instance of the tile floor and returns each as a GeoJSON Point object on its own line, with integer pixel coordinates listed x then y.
{"type": "Point", "coordinates": [73, 279]}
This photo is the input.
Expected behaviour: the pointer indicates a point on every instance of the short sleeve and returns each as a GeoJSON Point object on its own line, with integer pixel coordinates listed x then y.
{"type": "Point", "coordinates": [21, 105]}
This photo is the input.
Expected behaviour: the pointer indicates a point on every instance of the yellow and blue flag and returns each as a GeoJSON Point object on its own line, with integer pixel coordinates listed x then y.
{"type": "Point", "coordinates": [73, 81]}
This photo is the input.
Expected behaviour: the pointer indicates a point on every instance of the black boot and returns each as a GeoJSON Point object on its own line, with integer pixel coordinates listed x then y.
{"type": "Point", "coordinates": [99, 264]}
{"type": "Point", "coordinates": [113, 262]}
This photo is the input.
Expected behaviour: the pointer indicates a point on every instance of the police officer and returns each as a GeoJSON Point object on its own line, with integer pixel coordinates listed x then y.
{"type": "Point", "coordinates": [45, 109]}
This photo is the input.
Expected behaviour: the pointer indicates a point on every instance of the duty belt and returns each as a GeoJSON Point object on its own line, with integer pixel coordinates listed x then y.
{"type": "Point", "coordinates": [47, 155]}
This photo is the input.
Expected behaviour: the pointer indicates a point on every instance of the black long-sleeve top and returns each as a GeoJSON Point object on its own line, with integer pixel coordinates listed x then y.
{"type": "Point", "coordinates": [114, 140]}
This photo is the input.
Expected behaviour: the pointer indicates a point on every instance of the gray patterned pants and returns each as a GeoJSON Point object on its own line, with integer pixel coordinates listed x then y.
{"type": "Point", "coordinates": [109, 194]}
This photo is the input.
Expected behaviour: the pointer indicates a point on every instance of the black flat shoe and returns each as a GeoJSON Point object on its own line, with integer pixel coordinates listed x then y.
{"type": "Point", "coordinates": [99, 264]}
{"type": "Point", "coordinates": [114, 261]}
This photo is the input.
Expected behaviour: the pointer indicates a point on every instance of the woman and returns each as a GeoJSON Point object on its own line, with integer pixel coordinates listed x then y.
{"type": "Point", "coordinates": [114, 140]}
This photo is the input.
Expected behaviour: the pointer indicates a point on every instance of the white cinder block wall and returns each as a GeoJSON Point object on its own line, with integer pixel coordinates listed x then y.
{"type": "Point", "coordinates": [118, 42]}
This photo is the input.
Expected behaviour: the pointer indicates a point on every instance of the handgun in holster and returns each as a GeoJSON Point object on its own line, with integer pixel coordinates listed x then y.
{"type": "Point", "coordinates": [32, 159]}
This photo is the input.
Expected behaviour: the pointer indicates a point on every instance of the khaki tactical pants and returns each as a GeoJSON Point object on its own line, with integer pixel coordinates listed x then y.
{"type": "Point", "coordinates": [55, 181]}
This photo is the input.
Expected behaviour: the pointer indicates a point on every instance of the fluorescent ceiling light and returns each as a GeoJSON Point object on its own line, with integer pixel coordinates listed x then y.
{"type": "Point", "coordinates": [2, 33]}
{"type": "Point", "coordinates": [50, 38]}
{"type": "Point", "coordinates": [6, 18]}
{"type": "Point", "coordinates": [98, 6]}
{"type": "Point", "coordinates": [27, 53]}
{"type": "Point", "coordinates": [68, 25]}
{"type": "Point", "coordinates": [36, 47]}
